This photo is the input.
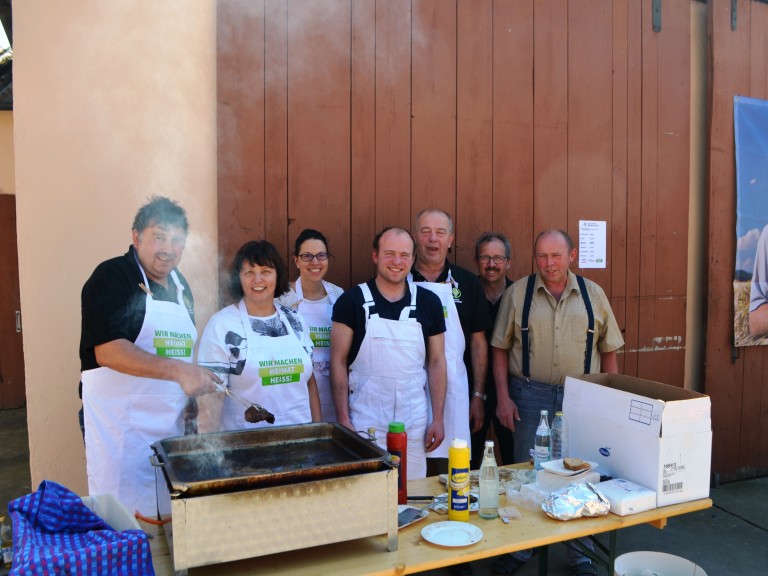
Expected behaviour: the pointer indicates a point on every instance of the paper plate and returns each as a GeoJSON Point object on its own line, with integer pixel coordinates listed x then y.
{"type": "Point", "coordinates": [556, 467]}
{"type": "Point", "coordinates": [452, 533]}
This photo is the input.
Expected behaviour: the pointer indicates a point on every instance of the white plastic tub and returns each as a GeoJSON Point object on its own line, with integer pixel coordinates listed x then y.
{"type": "Point", "coordinates": [655, 564]}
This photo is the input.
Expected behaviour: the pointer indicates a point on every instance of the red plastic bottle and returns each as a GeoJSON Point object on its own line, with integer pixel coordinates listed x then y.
{"type": "Point", "coordinates": [397, 445]}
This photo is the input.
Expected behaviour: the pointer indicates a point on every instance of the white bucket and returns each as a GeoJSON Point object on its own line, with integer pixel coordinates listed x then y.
{"type": "Point", "coordinates": [655, 564]}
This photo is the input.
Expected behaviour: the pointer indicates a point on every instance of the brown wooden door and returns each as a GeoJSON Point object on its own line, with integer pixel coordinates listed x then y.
{"type": "Point", "coordinates": [11, 349]}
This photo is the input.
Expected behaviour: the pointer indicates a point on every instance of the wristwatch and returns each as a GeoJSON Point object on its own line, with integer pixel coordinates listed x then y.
{"type": "Point", "coordinates": [483, 397]}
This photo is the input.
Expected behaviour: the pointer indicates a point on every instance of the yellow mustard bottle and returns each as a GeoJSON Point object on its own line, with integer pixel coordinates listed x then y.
{"type": "Point", "coordinates": [458, 480]}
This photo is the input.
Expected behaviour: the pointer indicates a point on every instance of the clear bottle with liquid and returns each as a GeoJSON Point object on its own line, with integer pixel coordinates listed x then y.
{"type": "Point", "coordinates": [559, 437]}
{"type": "Point", "coordinates": [489, 484]}
{"type": "Point", "coordinates": [541, 444]}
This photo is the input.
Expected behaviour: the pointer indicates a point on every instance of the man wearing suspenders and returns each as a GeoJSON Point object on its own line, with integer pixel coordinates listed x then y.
{"type": "Point", "coordinates": [551, 324]}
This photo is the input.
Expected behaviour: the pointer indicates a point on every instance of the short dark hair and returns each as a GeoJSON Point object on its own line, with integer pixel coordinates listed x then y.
{"type": "Point", "coordinates": [262, 253]}
{"type": "Point", "coordinates": [554, 232]}
{"type": "Point", "coordinates": [486, 237]}
{"type": "Point", "coordinates": [377, 238]}
{"type": "Point", "coordinates": [308, 234]}
{"type": "Point", "coordinates": [160, 210]}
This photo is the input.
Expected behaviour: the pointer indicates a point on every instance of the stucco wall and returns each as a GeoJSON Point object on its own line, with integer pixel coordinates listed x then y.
{"type": "Point", "coordinates": [114, 102]}
{"type": "Point", "coordinates": [7, 178]}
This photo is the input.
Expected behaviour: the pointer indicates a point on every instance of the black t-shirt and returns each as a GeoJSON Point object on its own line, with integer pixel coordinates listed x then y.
{"type": "Point", "coordinates": [348, 310]}
{"type": "Point", "coordinates": [471, 305]}
{"type": "Point", "coordinates": [113, 304]}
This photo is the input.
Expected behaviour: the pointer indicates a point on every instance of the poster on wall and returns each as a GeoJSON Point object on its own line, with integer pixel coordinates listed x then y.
{"type": "Point", "coordinates": [750, 280]}
{"type": "Point", "coordinates": [592, 244]}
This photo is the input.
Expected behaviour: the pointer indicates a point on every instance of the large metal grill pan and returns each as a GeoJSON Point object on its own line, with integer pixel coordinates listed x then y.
{"type": "Point", "coordinates": [223, 462]}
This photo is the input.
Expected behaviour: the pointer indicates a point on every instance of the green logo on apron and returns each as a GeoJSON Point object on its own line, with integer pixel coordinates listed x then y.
{"type": "Point", "coordinates": [321, 337]}
{"type": "Point", "coordinates": [173, 347]}
{"type": "Point", "coordinates": [281, 371]}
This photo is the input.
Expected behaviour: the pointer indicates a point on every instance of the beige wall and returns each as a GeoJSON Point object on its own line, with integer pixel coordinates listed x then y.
{"type": "Point", "coordinates": [7, 178]}
{"type": "Point", "coordinates": [114, 102]}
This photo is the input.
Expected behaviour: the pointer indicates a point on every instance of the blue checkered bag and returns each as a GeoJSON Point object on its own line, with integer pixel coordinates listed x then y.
{"type": "Point", "coordinates": [55, 533]}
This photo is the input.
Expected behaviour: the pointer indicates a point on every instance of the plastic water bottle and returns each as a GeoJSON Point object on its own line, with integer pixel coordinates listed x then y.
{"type": "Point", "coordinates": [489, 484]}
{"type": "Point", "coordinates": [541, 443]}
{"type": "Point", "coordinates": [6, 542]}
{"type": "Point", "coordinates": [559, 436]}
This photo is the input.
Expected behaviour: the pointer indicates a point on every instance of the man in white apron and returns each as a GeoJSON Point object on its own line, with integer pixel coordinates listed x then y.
{"type": "Point", "coordinates": [136, 345]}
{"type": "Point", "coordinates": [384, 333]}
{"type": "Point", "coordinates": [466, 318]}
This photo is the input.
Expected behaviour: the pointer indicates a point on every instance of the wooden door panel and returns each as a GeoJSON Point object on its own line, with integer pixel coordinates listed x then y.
{"type": "Point", "coordinates": [12, 390]}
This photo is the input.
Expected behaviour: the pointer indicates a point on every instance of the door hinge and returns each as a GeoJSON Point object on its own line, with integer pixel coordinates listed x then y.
{"type": "Point", "coordinates": [18, 320]}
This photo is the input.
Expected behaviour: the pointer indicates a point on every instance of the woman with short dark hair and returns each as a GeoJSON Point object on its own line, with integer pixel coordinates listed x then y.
{"type": "Point", "coordinates": [260, 349]}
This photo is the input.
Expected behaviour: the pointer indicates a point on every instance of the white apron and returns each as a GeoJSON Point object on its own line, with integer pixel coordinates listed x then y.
{"type": "Point", "coordinates": [387, 380]}
{"type": "Point", "coordinates": [456, 415]}
{"type": "Point", "coordinates": [275, 375]}
{"type": "Point", "coordinates": [125, 414]}
{"type": "Point", "coordinates": [318, 316]}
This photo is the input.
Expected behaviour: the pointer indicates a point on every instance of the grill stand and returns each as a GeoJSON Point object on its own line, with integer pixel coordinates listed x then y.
{"type": "Point", "coordinates": [219, 528]}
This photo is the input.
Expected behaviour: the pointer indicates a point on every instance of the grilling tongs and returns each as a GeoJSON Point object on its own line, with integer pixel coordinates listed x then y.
{"type": "Point", "coordinates": [254, 412]}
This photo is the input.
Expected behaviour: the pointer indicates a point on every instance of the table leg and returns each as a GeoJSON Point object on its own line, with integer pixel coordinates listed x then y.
{"type": "Point", "coordinates": [543, 560]}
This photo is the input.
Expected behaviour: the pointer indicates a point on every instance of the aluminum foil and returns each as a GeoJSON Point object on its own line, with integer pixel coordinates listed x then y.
{"type": "Point", "coordinates": [575, 501]}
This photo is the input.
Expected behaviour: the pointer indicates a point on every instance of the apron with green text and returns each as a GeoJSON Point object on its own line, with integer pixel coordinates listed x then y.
{"type": "Point", "coordinates": [275, 375]}
{"type": "Point", "coordinates": [125, 414]}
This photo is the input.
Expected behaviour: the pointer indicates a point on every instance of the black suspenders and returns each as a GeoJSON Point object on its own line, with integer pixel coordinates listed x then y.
{"type": "Point", "coordinates": [524, 324]}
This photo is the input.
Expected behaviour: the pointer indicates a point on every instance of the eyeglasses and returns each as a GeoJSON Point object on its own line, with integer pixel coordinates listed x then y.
{"type": "Point", "coordinates": [485, 259]}
{"type": "Point", "coordinates": [307, 257]}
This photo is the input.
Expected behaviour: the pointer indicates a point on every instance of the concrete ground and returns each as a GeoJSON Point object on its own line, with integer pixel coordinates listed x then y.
{"type": "Point", "coordinates": [728, 539]}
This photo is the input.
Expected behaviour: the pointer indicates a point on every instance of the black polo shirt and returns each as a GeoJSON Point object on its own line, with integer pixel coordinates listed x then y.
{"type": "Point", "coordinates": [113, 304]}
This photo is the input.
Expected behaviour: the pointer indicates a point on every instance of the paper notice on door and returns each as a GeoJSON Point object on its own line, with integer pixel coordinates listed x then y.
{"type": "Point", "coordinates": [592, 250]}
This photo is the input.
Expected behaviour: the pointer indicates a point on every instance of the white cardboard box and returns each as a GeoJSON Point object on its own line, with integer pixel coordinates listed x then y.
{"type": "Point", "coordinates": [653, 434]}
{"type": "Point", "coordinates": [627, 497]}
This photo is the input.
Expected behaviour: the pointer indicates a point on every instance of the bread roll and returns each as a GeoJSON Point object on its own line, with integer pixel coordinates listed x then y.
{"type": "Point", "coordinates": [575, 464]}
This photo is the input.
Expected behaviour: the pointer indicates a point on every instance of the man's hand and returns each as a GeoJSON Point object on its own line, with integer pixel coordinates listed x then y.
{"type": "Point", "coordinates": [506, 412]}
{"type": "Point", "coordinates": [197, 380]}
{"type": "Point", "coordinates": [435, 435]}
{"type": "Point", "coordinates": [476, 413]}
{"type": "Point", "coordinates": [124, 356]}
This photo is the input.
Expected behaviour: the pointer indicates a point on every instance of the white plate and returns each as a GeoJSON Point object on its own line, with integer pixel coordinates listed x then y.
{"type": "Point", "coordinates": [556, 467]}
{"type": "Point", "coordinates": [452, 533]}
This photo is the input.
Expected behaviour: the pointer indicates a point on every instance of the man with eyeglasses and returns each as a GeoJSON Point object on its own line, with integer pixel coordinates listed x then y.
{"type": "Point", "coordinates": [466, 320]}
{"type": "Point", "coordinates": [493, 254]}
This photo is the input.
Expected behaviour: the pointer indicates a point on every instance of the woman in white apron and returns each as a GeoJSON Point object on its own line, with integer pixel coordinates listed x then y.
{"type": "Point", "coordinates": [261, 350]}
{"type": "Point", "coordinates": [124, 414]}
{"type": "Point", "coordinates": [314, 297]}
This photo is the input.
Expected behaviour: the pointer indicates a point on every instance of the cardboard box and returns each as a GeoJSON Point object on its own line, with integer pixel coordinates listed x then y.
{"type": "Point", "coordinates": [653, 434]}
{"type": "Point", "coordinates": [627, 497]}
